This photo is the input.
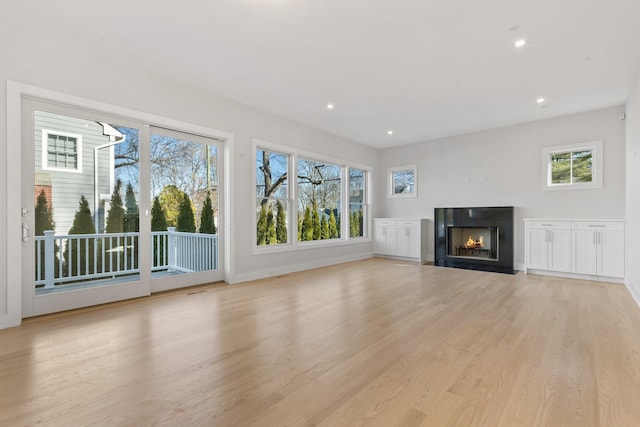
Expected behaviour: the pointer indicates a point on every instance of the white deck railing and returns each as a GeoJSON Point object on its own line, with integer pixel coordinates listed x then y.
{"type": "Point", "coordinates": [72, 258]}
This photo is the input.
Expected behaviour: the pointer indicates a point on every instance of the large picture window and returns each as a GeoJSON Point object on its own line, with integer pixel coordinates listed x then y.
{"type": "Point", "coordinates": [319, 195]}
{"type": "Point", "coordinates": [573, 166]}
{"type": "Point", "coordinates": [325, 203]}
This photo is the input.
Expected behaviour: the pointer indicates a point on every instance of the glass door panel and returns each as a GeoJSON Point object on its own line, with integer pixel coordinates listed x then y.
{"type": "Point", "coordinates": [185, 209]}
{"type": "Point", "coordinates": [82, 176]}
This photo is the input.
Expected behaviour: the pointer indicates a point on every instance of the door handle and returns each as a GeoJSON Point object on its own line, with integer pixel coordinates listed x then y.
{"type": "Point", "coordinates": [26, 232]}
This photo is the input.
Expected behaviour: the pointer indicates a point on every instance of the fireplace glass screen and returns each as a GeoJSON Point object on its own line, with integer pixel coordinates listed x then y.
{"type": "Point", "coordinates": [473, 242]}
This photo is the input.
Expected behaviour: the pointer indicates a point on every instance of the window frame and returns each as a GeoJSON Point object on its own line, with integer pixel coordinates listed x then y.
{"type": "Point", "coordinates": [390, 181]}
{"type": "Point", "coordinates": [365, 201]}
{"type": "Point", "coordinates": [260, 145]}
{"type": "Point", "coordinates": [597, 156]}
{"type": "Point", "coordinates": [45, 151]}
{"type": "Point", "coordinates": [292, 201]}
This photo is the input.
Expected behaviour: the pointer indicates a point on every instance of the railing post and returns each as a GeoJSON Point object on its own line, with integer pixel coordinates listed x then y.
{"type": "Point", "coordinates": [49, 258]}
{"type": "Point", "coordinates": [171, 248]}
{"type": "Point", "coordinates": [215, 252]}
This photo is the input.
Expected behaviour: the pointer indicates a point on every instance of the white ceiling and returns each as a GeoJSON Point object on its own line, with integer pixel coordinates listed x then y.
{"type": "Point", "coordinates": [423, 68]}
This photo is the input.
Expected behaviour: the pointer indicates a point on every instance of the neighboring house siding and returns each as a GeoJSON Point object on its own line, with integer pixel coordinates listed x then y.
{"type": "Point", "coordinates": [66, 187]}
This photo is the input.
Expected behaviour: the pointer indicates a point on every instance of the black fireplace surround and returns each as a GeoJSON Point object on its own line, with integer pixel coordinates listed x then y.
{"type": "Point", "coordinates": [477, 238]}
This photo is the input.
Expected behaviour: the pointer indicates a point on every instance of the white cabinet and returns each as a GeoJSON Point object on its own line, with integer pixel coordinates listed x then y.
{"type": "Point", "coordinates": [402, 238]}
{"type": "Point", "coordinates": [593, 248]}
{"type": "Point", "coordinates": [385, 237]}
{"type": "Point", "coordinates": [548, 245]}
{"type": "Point", "coordinates": [599, 248]}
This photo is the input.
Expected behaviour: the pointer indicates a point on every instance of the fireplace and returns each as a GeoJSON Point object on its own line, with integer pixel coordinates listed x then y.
{"type": "Point", "coordinates": [479, 238]}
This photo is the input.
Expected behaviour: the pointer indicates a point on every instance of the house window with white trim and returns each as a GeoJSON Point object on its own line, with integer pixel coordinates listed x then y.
{"type": "Point", "coordinates": [61, 151]}
{"type": "Point", "coordinates": [573, 166]}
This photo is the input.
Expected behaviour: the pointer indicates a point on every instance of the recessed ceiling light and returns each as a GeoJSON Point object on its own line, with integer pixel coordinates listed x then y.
{"type": "Point", "coordinates": [389, 132]}
{"type": "Point", "coordinates": [329, 106]}
{"type": "Point", "coordinates": [520, 43]}
{"type": "Point", "coordinates": [540, 100]}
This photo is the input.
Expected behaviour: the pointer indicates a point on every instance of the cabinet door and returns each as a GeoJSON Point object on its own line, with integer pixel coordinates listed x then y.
{"type": "Point", "coordinates": [560, 250]}
{"type": "Point", "coordinates": [537, 254]}
{"type": "Point", "coordinates": [409, 241]}
{"type": "Point", "coordinates": [584, 252]}
{"type": "Point", "coordinates": [379, 237]}
{"type": "Point", "coordinates": [391, 240]}
{"type": "Point", "coordinates": [611, 253]}
{"type": "Point", "coordinates": [385, 238]}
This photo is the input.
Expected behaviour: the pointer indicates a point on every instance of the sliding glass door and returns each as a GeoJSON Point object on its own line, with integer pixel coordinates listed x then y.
{"type": "Point", "coordinates": [91, 234]}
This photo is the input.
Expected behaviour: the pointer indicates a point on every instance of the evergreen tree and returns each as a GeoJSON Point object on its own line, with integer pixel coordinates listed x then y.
{"type": "Point", "coordinates": [158, 223]}
{"type": "Point", "coordinates": [43, 215]}
{"type": "Point", "coordinates": [77, 253]}
{"type": "Point", "coordinates": [315, 223]}
{"type": "Point", "coordinates": [333, 226]}
{"type": "Point", "coordinates": [186, 219]}
{"type": "Point", "coordinates": [262, 226]}
{"type": "Point", "coordinates": [158, 217]}
{"type": "Point", "coordinates": [207, 224]}
{"type": "Point", "coordinates": [115, 224]}
{"type": "Point", "coordinates": [307, 225]}
{"type": "Point", "coordinates": [299, 227]}
{"type": "Point", "coordinates": [44, 221]}
{"type": "Point", "coordinates": [354, 224]}
{"type": "Point", "coordinates": [132, 218]}
{"type": "Point", "coordinates": [83, 221]}
{"type": "Point", "coordinates": [270, 235]}
{"type": "Point", "coordinates": [115, 216]}
{"type": "Point", "coordinates": [281, 223]}
{"type": "Point", "coordinates": [324, 228]}
{"type": "Point", "coordinates": [361, 222]}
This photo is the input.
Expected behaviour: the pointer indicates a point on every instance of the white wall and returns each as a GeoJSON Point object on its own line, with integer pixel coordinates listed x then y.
{"type": "Point", "coordinates": [502, 167]}
{"type": "Point", "coordinates": [633, 191]}
{"type": "Point", "coordinates": [98, 75]}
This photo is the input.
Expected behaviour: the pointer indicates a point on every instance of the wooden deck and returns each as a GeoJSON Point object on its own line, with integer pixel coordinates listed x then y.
{"type": "Point", "coordinates": [376, 342]}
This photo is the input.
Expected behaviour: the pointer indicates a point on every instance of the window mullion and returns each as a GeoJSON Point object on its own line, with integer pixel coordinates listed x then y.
{"type": "Point", "coordinates": [344, 201]}
{"type": "Point", "coordinates": [293, 198]}
{"type": "Point", "coordinates": [571, 167]}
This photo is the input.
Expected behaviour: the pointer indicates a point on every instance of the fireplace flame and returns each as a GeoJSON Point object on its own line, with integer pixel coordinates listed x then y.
{"type": "Point", "coordinates": [473, 243]}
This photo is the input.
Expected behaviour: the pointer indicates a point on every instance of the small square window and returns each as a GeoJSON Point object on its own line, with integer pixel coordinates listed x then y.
{"type": "Point", "coordinates": [573, 166]}
{"type": "Point", "coordinates": [403, 181]}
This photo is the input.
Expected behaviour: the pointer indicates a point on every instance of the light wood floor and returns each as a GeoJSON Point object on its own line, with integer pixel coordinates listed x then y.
{"type": "Point", "coordinates": [375, 342]}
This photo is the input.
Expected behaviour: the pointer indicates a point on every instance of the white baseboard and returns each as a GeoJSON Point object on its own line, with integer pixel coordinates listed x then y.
{"type": "Point", "coordinates": [292, 268]}
{"type": "Point", "coordinates": [575, 276]}
{"type": "Point", "coordinates": [634, 290]}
